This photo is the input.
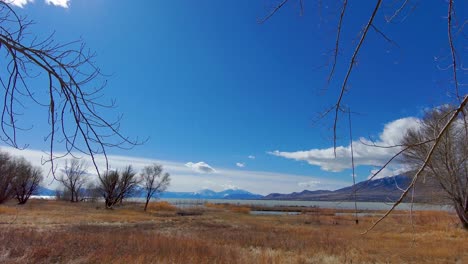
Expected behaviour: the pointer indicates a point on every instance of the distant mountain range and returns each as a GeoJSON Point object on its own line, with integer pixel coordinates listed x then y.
{"type": "Point", "coordinates": [43, 191]}
{"type": "Point", "coordinates": [202, 194]}
{"type": "Point", "coordinates": [378, 190]}
{"type": "Point", "coordinates": [209, 194]}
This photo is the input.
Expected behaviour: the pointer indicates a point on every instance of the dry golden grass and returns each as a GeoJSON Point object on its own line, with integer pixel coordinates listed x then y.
{"type": "Point", "coordinates": [6, 209]}
{"type": "Point", "coordinates": [161, 206]}
{"type": "Point", "coordinates": [230, 207]}
{"type": "Point", "coordinates": [60, 232]}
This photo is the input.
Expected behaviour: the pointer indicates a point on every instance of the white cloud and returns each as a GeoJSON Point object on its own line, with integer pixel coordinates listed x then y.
{"type": "Point", "coordinates": [184, 180]}
{"type": "Point", "coordinates": [388, 171]}
{"type": "Point", "coordinates": [363, 153]}
{"type": "Point", "coordinates": [240, 165]}
{"type": "Point", "coordinates": [251, 157]}
{"type": "Point", "coordinates": [22, 3]}
{"type": "Point", "coordinates": [229, 186]}
{"type": "Point", "coordinates": [60, 3]}
{"type": "Point", "coordinates": [18, 3]}
{"type": "Point", "coordinates": [309, 184]}
{"type": "Point", "coordinates": [200, 167]}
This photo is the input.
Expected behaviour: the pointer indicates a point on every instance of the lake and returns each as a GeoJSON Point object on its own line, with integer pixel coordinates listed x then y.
{"type": "Point", "coordinates": [320, 204]}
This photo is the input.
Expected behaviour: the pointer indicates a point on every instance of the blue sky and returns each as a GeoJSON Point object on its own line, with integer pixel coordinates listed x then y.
{"type": "Point", "coordinates": [210, 86]}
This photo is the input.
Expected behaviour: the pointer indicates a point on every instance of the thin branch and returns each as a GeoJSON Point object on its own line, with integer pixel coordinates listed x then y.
{"type": "Point", "coordinates": [278, 7]}
{"type": "Point", "coordinates": [397, 12]}
{"type": "Point", "coordinates": [352, 165]}
{"type": "Point", "coordinates": [389, 40]}
{"type": "Point", "coordinates": [350, 68]}
{"type": "Point", "coordinates": [452, 47]}
{"type": "Point", "coordinates": [337, 40]}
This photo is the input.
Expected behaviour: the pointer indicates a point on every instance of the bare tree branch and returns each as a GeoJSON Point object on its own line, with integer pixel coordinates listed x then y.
{"type": "Point", "coordinates": [452, 47]}
{"type": "Point", "coordinates": [350, 69]}
{"type": "Point", "coordinates": [337, 40]}
{"type": "Point", "coordinates": [397, 12]}
{"type": "Point", "coordinates": [73, 106]}
{"type": "Point", "coordinates": [278, 7]}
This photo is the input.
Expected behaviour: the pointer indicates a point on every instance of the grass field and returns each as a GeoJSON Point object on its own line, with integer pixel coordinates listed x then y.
{"type": "Point", "coordinates": [59, 232]}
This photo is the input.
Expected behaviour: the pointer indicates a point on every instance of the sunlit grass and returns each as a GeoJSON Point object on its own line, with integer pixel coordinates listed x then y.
{"type": "Point", "coordinates": [61, 232]}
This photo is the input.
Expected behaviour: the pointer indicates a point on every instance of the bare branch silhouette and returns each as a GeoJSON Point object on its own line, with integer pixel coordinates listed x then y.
{"type": "Point", "coordinates": [70, 80]}
{"type": "Point", "coordinates": [350, 69]}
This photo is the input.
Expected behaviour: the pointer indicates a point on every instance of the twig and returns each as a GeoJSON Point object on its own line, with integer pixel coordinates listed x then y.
{"type": "Point", "coordinates": [337, 41]}
{"type": "Point", "coordinates": [278, 7]}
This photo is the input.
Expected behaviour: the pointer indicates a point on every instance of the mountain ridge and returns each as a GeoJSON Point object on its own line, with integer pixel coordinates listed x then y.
{"type": "Point", "coordinates": [388, 189]}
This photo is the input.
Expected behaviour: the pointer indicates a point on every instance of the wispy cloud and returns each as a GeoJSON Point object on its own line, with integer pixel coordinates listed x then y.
{"type": "Point", "coordinates": [309, 184]}
{"type": "Point", "coordinates": [251, 157]}
{"type": "Point", "coordinates": [240, 164]}
{"type": "Point", "coordinates": [185, 179]}
{"type": "Point", "coordinates": [18, 3]}
{"type": "Point", "coordinates": [364, 154]}
{"type": "Point", "coordinates": [22, 3]}
{"type": "Point", "coordinates": [60, 3]}
{"type": "Point", "coordinates": [200, 167]}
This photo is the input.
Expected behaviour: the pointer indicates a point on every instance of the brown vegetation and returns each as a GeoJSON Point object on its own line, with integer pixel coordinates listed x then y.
{"type": "Point", "coordinates": [60, 232]}
{"type": "Point", "coordinates": [230, 207]}
{"type": "Point", "coordinates": [161, 206]}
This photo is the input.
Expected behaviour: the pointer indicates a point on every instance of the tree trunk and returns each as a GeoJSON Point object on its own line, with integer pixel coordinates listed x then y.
{"type": "Point", "coordinates": [146, 204]}
{"type": "Point", "coordinates": [462, 213]}
{"type": "Point", "coordinates": [72, 195]}
{"type": "Point", "coordinates": [109, 203]}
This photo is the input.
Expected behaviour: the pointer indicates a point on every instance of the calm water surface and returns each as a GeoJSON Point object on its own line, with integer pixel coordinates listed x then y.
{"type": "Point", "coordinates": [321, 204]}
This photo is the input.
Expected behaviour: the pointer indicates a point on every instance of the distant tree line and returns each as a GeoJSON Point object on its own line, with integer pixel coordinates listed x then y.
{"type": "Point", "coordinates": [19, 180]}
{"type": "Point", "coordinates": [113, 186]}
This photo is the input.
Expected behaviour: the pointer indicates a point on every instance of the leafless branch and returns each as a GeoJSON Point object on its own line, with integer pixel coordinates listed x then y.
{"type": "Point", "coordinates": [452, 47]}
{"type": "Point", "coordinates": [389, 40]}
{"type": "Point", "coordinates": [337, 40]}
{"type": "Point", "coordinates": [397, 12]}
{"type": "Point", "coordinates": [350, 68]}
{"type": "Point", "coordinates": [74, 111]}
{"type": "Point", "coordinates": [275, 9]}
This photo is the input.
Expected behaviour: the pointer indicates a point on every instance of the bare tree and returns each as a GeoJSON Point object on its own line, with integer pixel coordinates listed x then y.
{"type": "Point", "coordinates": [448, 164]}
{"type": "Point", "coordinates": [26, 180]}
{"type": "Point", "coordinates": [108, 187]}
{"type": "Point", "coordinates": [73, 178]}
{"type": "Point", "coordinates": [155, 182]}
{"type": "Point", "coordinates": [115, 186]}
{"type": "Point", "coordinates": [72, 88]}
{"type": "Point", "coordinates": [127, 183]}
{"type": "Point", "coordinates": [6, 177]}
